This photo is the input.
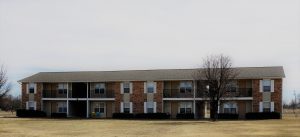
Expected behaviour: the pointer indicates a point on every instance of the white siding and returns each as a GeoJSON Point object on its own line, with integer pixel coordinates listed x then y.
{"type": "Point", "coordinates": [272, 106]}
{"type": "Point", "coordinates": [260, 106]}
{"type": "Point", "coordinates": [272, 85]}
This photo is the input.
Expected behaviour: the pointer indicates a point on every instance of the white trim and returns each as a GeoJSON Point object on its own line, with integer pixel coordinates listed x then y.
{"type": "Point", "coordinates": [122, 107]}
{"type": "Point", "coordinates": [59, 99]}
{"type": "Point", "coordinates": [229, 98]}
{"type": "Point", "coordinates": [260, 86]}
{"type": "Point", "coordinates": [145, 87]}
{"type": "Point", "coordinates": [130, 87]}
{"type": "Point", "coordinates": [67, 108]}
{"type": "Point", "coordinates": [272, 107]}
{"type": "Point", "coordinates": [154, 107]}
{"type": "Point", "coordinates": [122, 88]}
{"type": "Point", "coordinates": [81, 99]}
{"type": "Point", "coordinates": [101, 99]}
{"type": "Point", "coordinates": [272, 85]}
{"type": "Point", "coordinates": [131, 108]}
{"type": "Point", "coordinates": [145, 107]}
{"type": "Point", "coordinates": [27, 105]}
{"type": "Point", "coordinates": [34, 105]}
{"type": "Point", "coordinates": [197, 99]}
{"type": "Point", "coordinates": [260, 106]}
{"type": "Point", "coordinates": [178, 99]}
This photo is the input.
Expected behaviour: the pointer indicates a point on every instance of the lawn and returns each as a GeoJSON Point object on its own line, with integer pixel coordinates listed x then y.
{"type": "Point", "coordinates": [25, 127]}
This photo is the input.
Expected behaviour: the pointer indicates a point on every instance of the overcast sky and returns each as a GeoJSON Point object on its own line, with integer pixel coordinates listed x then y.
{"type": "Point", "coordinates": [69, 35]}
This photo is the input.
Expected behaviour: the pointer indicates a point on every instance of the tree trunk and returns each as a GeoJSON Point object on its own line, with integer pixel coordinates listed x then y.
{"type": "Point", "coordinates": [214, 110]}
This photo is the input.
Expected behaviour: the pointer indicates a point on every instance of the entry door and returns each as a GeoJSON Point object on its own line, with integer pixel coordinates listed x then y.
{"type": "Point", "coordinates": [100, 109]}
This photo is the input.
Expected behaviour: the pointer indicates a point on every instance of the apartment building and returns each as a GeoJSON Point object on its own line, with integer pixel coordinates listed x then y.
{"type": "Point", "coordinates": [102, 93]}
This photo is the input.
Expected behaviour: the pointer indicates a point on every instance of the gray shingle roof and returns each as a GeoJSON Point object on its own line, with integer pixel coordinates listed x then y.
{"type": "Point", "coordinates": [146, 75]}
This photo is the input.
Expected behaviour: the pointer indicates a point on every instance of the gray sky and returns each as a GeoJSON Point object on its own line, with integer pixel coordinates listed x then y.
{"type": "Point", "coordinates": [68, 35]}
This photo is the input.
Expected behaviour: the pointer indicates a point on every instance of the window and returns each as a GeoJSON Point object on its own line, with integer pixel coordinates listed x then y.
{"type": "Point", "coordinates": [62, 107]}
{"type": "Point", "coordinates": [266, 85]}
{"type": "Point", "coordinates": [126, 108]}
{"type": "Point", "coordinates": [232, 86]}
{"type": "Point", "coordinates": [31, 105]}
{"type": "Point", "coordinates": [185, 107]}
{"type": "Point", "coordinates": [266, 106]}
{"type": "Point", "coordinates": [99, 107]}
{"type": "Point", "coordinates": [126, 86]}
{"type": "Point", "coordinates": [62, 88]}
{"type": "Point", "coordinates": [230, 107]}
{"type": "Point", "coordinates": [100, 88]}
{"type": "Point", "coordinates": [150, 87]}
{"type": "Point", "coordinates": [150, 107]}
{"type": "Point", "coordinates": [185, 87]}
{"type": "Point", "coordinates": [31, 87]}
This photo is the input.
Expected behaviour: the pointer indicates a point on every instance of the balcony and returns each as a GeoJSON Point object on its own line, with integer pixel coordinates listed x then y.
{"type": "Point", "coordinates": [237, 92]}
{"type": "Point", "coordinates": [176, 93]}
{"type": "Point", "coordinates": [54, 94]}
{"type": "Point", "coordinates": [102, 94]}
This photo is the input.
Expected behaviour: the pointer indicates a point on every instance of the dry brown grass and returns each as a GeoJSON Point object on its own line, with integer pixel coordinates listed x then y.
{"type": "Point", "coordinates": [25, 127]}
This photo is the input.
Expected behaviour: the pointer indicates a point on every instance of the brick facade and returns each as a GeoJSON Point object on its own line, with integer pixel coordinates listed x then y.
{"type": "Point", "coordinates": [37, 96]}
{"type": "Point", "coordinates": [257, 96]}
{"type": "Point", "coordinates": [276, 96]}
{"type": "Point", "coordinates": [158, 96]}
{"type": "Point", "coordinates": [137, 97]}
{"type": "Point", "coordinates": [25, 96]}
{"type": "Point", "coordinates": [116, 87]}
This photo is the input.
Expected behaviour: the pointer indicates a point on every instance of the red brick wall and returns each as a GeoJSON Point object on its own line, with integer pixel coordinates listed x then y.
{"type": "Point", "coordinates": [37, 96]}
{"type": "Point", "coordinates": [276, 96]}
{"type": "Point", "coordinates": [116, 87]}
{"type": "Point", "coordinates": [159, 95]}
{"type": "Point", "coordinates": [257, 96]}
{"type": "Point", "coordinates": [137, 97]}
{"type": "Point", "coordinates": [25, 97]}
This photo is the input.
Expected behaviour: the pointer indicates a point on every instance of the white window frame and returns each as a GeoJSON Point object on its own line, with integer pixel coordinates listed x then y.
{"type": "Point", "coordinates": [99, 86]}
{"type": "Point", "coordinates": [230, 105]}
{"type": "Point", "coordinates": [149, 83]}
{"type": "Point", "coordinates": [100, 105]}
{"type": "Point", "coordinates": [31, 104]}
{"type": "Point", "coordinates": [64, 87]}
{"type": "Point", "coordinates": [148, 105]}
{"type": "Point", "coordinates": [126, 105]}
{"type": "Point", "coordinates": [185, 106]}
{"type": "Point", "coordinates": [186, 85]}
{"type": "Point", "coordinates": [63, 106]}
{"type": "Point", "coordinates": [31, 86]}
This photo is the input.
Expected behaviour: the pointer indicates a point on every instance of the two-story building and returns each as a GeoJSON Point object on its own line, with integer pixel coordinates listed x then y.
{"type": "Point", "coordinates": [102, 93]}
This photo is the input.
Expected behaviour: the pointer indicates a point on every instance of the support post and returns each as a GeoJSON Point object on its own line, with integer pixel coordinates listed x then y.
{"type": "Point", "coordinates": [194, 106]}
{"type": "Point", "coordinates": [87, 101]}
{"type": "Point", "coordinates": [67, 99]}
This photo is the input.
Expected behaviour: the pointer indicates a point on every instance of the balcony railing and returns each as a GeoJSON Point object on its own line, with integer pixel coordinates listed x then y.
{"type": "Point", "coordinates": [54, 94]}
{"type": "Point", "coordinates": [177, 93]}
{"type": "Point", "coordinates": [238, 92]}
{"type": "Point", "coordinates": [63, 94]}
{"type": "Point", "coordinates": [102, 94]}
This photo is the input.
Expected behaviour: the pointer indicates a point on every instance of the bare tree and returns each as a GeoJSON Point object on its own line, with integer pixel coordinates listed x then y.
{"type": "Point", "coordinates": [294, 104]}
{"type": "Point", "coordinates": [4, 85]}
{"type": "Point", "coordinates": [216, 74]}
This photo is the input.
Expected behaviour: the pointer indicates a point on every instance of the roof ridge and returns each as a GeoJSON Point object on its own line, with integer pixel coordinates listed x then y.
{"type": "Point", "coordinates": [146, 70]}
